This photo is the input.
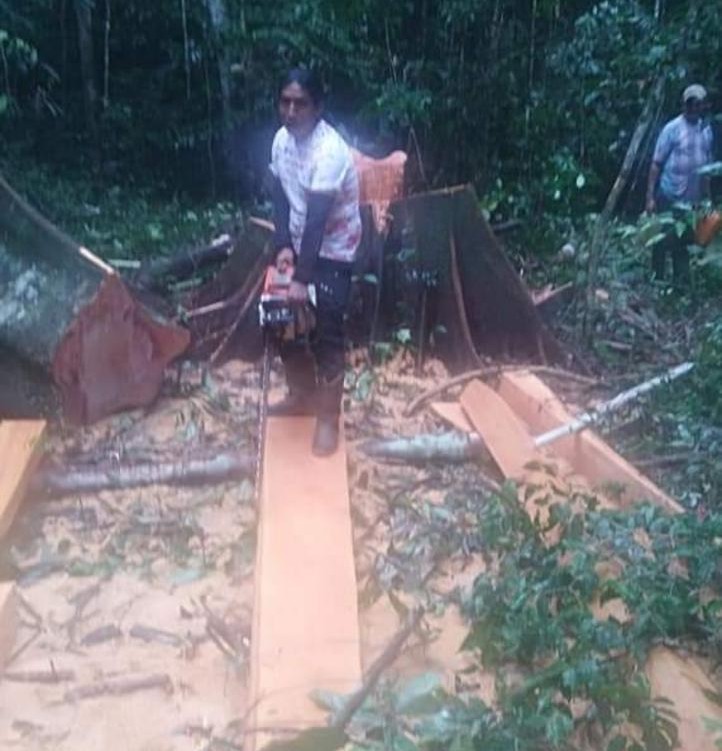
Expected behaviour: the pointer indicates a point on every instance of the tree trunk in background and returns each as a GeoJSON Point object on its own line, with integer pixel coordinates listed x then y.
{"type": "Point", "coordinates": [84, 16]}
{"type": "Point", "coordinates": [219, 25]}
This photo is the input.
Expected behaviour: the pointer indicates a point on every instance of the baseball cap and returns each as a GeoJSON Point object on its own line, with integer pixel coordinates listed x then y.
{"type": "Point", "coordinates": [695, 91]}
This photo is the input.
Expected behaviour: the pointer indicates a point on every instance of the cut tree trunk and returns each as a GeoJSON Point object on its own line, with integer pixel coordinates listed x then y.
{"type": "Point", "coordinates": [479, 305]}
{"type": "Point", "coordinates": [65, 313]}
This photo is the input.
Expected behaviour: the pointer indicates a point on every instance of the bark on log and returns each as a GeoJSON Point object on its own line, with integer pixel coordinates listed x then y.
{"type": "Point", "coordinates": [53, 479]}
{"type": "Point", "coordinates": [65, 312]}
{"type": "Point", "coordinates": [452, 446]}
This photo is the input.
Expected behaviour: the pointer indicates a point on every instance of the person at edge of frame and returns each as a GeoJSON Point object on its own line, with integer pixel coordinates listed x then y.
{"type": "Point", "coordinates": [682, 148]}
{"type": "Point", "coordinates": [315, 196]}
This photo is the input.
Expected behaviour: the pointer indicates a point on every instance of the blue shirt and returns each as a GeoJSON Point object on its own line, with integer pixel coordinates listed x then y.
{"type": "Point", "coordinates": [682, 148]}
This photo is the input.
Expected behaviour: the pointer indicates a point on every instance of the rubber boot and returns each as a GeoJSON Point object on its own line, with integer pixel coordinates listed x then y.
{"type": "Point", "coordinates": [328, 403]}
{"type": "Point", "coordinates": [301, 380]}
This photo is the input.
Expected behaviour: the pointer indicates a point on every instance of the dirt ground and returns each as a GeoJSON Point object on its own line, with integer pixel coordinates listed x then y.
{"type": "Point", "coordinates": [145, 595]}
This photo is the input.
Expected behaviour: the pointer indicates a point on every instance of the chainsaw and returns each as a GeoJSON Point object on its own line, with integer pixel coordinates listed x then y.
{"type": "Point", "coordinates": [277, 315]}
{"type": "Point", "coordinates": [280, 321]}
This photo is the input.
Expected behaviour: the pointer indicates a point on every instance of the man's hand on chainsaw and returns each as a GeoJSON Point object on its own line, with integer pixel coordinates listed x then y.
{"type": "Point", "coordinates": [297, 293]}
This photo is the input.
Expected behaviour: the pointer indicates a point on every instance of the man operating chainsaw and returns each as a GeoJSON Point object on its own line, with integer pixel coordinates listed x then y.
{"type": "Point", "coordinates": [316, 214]}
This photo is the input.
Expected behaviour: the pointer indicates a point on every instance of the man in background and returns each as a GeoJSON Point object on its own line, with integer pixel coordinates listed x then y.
{"type": "Point", "coordinates": [683, 147]}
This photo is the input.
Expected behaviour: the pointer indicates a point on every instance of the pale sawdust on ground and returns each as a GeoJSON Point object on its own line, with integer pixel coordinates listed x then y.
{"type": "Point", "coordinates": [161, 579]}
{"type": "Point", "coordinates": [157, 556]}
{"type": "Point", "coordinates": [375, 488]}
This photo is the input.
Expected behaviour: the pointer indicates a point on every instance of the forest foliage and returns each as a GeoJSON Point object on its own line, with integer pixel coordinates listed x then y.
{"type": "Point", "coordinates": [532, 101]}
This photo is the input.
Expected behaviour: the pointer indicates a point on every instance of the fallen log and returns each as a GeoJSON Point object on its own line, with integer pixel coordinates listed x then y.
{"type": "Point", "coordinates": [39, 676]}
{"type": "Point", "coordinates": [68, 314]}
{"type": "Point", "coordinates": [54, 479]}
{"type": "Point", "coordinates": [154, 274]}
{"type": "Point", "coordinates": [119, 687]}
{"type": "Point", "coordinates": [452, 446]}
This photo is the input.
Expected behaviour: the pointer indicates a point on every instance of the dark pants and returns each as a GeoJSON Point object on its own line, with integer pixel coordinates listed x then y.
{"type": "Point", "coordinates": [333, 289]}
{"type": "Point", "coordinates": [328, 341]}
{"type": "Point", "coordinates": [672, 244]}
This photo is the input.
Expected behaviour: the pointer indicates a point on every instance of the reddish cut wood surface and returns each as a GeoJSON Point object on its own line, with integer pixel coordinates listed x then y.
{"type": "Point", "coordinates": [504, 434]}
{"type": "Point", "coordinates": [535, 403]}
{"type": "Point", "coordinates": [19, 453]}
{"type": "Point", "coordinates": [306, 632]}
{"type": "Point", "coordinates": [453, 413]}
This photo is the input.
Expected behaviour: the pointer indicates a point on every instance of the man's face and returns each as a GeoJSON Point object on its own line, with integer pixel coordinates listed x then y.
{"type": "Point", "coordinates": [297, 110]}
{"type": "Point", "coordinates": [693, 109]}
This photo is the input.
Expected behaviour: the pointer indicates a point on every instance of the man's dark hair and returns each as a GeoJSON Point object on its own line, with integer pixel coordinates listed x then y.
{"type": "Point", "coordinates": [308, 80]}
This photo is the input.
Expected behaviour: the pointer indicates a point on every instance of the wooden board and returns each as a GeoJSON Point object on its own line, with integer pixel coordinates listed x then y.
{"type": "Point", "coordinates": [8, 621]}
{"type": "Point", "coordinates": [19, 452]}
{"type": "Point", "coordinates": [453, 413]}
{"type": "Point", "coordinates": [680, 679]}
{"type": "Point", "coordinates": [504, 434]}
{"type": "Point", "coordinates": [305, 632]}
{"type": "Point", "coordinates": [541, 410]}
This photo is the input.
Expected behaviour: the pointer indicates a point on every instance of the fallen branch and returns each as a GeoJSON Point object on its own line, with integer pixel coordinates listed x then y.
{"type": "Point", "coordinates": [120, 687]}
{"type": "Point", "coordinates": [494, 372]}
{"type": "Point", "coordinates": [155, 635]}
{"type": "Point", "coordinates": [185, 263]}
{"type": "Point", "coordinates": [101, 635]}
{"type": "Point", "coordinates": [382, 663]}
{"type": "Point", "coordinates": [452, 446]}
{"type": "Point", "coordinates": [39, 676]}
{"type": "Point", "coordinates": [54, 480]}
{"type": "Point", "coordinates": [595, 415]}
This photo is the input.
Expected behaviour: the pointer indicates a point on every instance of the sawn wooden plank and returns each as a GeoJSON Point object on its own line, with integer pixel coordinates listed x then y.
{"type": "Point", "coordinates": [539, 407]}
{"type": "Point", "coordinates": [19, 452]}
{"type": "Point", "coordinates": [504, 434]}
{"type": "Point", "coordinates": [306, 632]}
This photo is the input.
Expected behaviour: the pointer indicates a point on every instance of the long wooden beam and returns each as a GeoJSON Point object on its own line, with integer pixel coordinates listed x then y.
{"type": "Point", "coordinates": [305, 630]}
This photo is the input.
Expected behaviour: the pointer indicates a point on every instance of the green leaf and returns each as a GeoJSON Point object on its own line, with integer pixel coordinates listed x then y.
{"type": "Point", "coordinates": [420, 695]}
{"type": "Point", "coordinates": [617, 744]}
{"type": "Point", "coordinates": [313, 739]}
{"type": "Point", "coordinates": [371, 278]}
{"type": "Point", "coordinates": [403, 336]}
{"type": "Point", "coordinates": [581, 181]}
